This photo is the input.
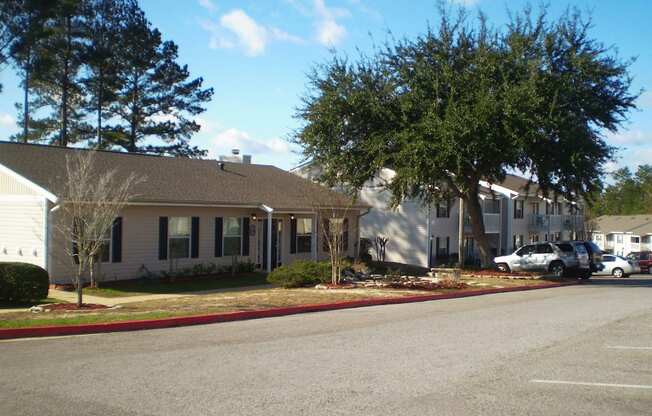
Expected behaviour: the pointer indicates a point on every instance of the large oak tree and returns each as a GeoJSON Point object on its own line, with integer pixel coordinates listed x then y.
{"type": "Point", "coordinates": [466, 102]}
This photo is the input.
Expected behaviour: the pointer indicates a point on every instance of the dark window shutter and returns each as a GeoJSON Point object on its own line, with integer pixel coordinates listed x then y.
{"type": "Point", "coordinates": [163, 238]}
{"type": "Point", "coordinates": [245, 236]}
{"type": "Point", "coordinates": [448, 246]}
{"type": "Point", "coordinates": [116, 241]}
{"type": "Point", "coordinates": [293, 235]}
{"type": "Point", "coordinates": [194, 238]}
{"type": "Point", "coordinates": [345, 235]}
{"type": "Point", "coordinates": [218, 236]}
{"type": "Point", "coordinates": [437, 248]}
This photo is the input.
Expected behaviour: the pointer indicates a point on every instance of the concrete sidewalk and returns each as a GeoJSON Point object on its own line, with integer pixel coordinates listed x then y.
{"type": "Point", "coordinates": [72, 296]}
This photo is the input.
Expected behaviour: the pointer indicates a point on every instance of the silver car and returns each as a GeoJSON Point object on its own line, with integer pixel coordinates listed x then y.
{"type": "Point", "coordinates": [557, 258]}
{"type": "Point", "coordinates": [618, 266]}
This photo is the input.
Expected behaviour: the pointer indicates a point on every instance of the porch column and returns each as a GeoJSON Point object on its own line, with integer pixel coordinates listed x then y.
{"type": "Point", "coordinates": [508, 227]}
{"type": "Point", "coordinates": [269, 212]}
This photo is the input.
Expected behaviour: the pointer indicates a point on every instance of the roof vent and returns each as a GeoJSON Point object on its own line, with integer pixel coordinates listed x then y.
{"type": "Point", "coordinates": [235, 152]}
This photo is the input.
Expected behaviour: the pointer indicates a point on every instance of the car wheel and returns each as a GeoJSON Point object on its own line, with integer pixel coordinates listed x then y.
{"type": "Point", "coordinates": [557, 268]}
{"type": "Point", "coordinates": [503, 267]}
{"type": "Point", "coordinates": [618, 272]}
{"type": "Point", "coordinates": [586, 275]}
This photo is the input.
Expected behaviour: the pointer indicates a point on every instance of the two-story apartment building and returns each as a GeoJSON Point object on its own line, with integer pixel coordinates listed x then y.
{"type": "Point", "coordinates": [622, 234]}
{"type": "Point", "coordinates": [514, 214]}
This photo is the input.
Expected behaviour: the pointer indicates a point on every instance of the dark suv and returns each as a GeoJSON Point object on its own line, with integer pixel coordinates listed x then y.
{"type": "Point", "coordinates": [644, 259]}
{"type": "Point", "coordinates": [595, 255]}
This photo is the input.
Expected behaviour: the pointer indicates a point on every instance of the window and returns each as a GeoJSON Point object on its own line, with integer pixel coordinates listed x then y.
{"type": "Point", "coordinates": [232, 236]}
{"type": "Point", "coordinates": [179, 237]}
{"type": "Point", "coordinates": [104, 254]}
{"type": "Point", "coordinates": [597, 237]}
{"type": "Point", "coordinates": [534, 238]}
{"type": "Point", "coordinates": [635, 240]}
{"type": "Point", "coordinates": [610, 237]}
{"type": "Point", "coordinates": [492, 206]}
{"type": "Point", "coordinates": [544, 249]}
{"type": "Point", "coordinates": [304, 235]}
{"type": "Point", "coordinates": [523, 251]}
{"type": "Point", "coordinates": [534, 207]}
{"type": "Point", "coordinates": [518, 208]}
{"type": "Point", "coordinates": [566, 247]}
{"type": "Point", "coordinates": [619, 239]}
{"type": "Point", "coordinates": [608, 259]}
{"type": "Point", "coordinates": [443, 209]}
{"type": "Point", "coordinates": [556, 236]}
{"type": "Point", "coordinates": [517, 241]}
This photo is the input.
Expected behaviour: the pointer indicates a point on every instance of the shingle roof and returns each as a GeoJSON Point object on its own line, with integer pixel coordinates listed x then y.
{"type": "Point", "coordinates": [635, 224]}
{"type": "Point", "coordinates": [176, 180]}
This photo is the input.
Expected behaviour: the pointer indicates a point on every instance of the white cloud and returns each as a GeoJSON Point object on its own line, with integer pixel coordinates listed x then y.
{"type": "Point", "coordinates": [233, 138]}
{"type": "Point", "coordinates": [208, 5]}
{"type": "Point", "coordinates": [329, 31]}
{"type": "Point", "coordinates": [237, 29]}
{"type": "Point", "coordinates": [7, 120]}
{"type": "Point", "coordinates": [250, 34]}
{"type": "Point", "coordinates": [629, 138]}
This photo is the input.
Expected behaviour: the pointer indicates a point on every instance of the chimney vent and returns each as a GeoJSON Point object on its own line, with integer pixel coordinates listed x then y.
{"type": "Point", "coordinates": [235, 152]}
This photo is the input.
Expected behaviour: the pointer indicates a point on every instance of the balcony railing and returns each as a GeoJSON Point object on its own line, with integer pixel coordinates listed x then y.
{"type": "Point", "coordinates": [491, 223]}
{"type": "Point", "coordinates": [555, 223]}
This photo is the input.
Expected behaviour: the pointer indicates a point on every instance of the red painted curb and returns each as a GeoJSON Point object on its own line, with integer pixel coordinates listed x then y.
{"type": "Point", "coordinates": [47, 331]}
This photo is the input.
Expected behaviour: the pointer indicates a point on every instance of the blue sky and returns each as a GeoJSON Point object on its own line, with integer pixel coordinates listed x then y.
{"type": "Point", "coordinates": [256, 54]}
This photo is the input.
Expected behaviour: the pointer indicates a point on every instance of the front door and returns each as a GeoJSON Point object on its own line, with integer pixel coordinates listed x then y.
{"type": "Point", "coordinates": [276, 243]}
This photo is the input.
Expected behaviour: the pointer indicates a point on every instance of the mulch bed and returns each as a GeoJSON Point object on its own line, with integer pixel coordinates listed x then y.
{"type": "Point", "coordinates": [73, 307]}
{"type": "Point", "coordinates": [498, 273]}
{"type": "Point", "coordinates": [426, 285]}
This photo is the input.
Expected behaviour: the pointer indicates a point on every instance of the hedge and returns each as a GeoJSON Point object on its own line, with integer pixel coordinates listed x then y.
{"type": "Point", "coordinates": [301, 273]}
{"type": "Point", "coordinates": [22, 282]}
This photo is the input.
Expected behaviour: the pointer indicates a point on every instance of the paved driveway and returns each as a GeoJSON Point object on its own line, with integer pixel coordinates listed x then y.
{"type": "Point", "coordinates": [576, 350]}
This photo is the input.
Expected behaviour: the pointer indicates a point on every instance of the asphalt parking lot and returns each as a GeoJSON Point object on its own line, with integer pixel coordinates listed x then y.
{"type": "Point", "coordinates": [580, 350]}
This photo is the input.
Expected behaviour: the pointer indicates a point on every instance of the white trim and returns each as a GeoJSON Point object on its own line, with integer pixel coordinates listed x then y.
{"type": "Point", "coordinates": [21, 198]}
{"type": "Point", "coordinates": [583, 383]}
{"type": "Point", "coordinates": [500, 189]}
{"type": "Point", "coordinates": [46, 235]}
{"type": "Point", "coordinates": [171, 204]}
{"type": "Point", "coordinates": [24, 181]}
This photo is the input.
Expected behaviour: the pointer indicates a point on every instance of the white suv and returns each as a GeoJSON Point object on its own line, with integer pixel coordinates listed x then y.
{"type": "Point", "coordinates": [557, 258]}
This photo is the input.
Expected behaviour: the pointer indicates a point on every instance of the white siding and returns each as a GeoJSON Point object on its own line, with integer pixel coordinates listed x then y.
{"type": "Point", "coordinates": [10, 186]}
{"type": "Point", "coordinates": [22, 229]}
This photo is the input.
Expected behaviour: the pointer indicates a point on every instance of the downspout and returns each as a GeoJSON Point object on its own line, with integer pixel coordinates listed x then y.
{"type": "Point", "coordinates": [270, 212]}
{"type": "Point", "coordinates": [47, 239]}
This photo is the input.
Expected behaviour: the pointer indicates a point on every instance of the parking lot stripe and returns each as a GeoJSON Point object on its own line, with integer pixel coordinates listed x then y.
{"type": "Point", "coordinates": [582, 383]}
{"type": "Point", "coordinates": [623, 347]}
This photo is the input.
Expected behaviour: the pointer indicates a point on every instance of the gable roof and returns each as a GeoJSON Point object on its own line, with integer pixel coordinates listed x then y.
{"type": "Point", "coordinates": [171, 180]}
{"type": "Point", "coordinates": [635, 224]}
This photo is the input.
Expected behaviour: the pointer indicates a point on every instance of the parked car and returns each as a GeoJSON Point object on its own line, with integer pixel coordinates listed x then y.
{"type": "Point", "coordinates": [644, 259]}
{"type": "Point", "coordinates": [558, 258]}
{"type": "Point", "coordinates": [618, 266]}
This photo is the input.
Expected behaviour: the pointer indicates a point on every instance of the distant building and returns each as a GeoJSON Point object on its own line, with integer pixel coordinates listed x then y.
{"type": "Point", "coordinates": [622, 234]}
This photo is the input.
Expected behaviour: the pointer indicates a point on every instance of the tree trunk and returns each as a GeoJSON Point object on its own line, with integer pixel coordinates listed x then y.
{"type": "Point", "coordinates": [79, 284]}
{"type": "Point", "coordinates": [26, 107]}
{"type": "Point", "coordinates": [477, 226]}
{"type": "Point", "coordinates": [63, 139]}
{"type": "Point", "coordinates": [99, 109]}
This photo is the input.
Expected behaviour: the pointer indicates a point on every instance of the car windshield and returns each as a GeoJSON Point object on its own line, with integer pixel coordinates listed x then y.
{"type": "Point", "coordinates": [623, 258]}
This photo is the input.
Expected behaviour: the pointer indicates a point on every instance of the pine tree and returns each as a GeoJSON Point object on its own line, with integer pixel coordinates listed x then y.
{"type": "Point", "coordinates": [102, 27]}
{"type": "Point", "coordinates": [61, 88]}
{"type": "Point", "coordinates": [26, 28]}
{"type": "Point", "coordinates": [156, 99]}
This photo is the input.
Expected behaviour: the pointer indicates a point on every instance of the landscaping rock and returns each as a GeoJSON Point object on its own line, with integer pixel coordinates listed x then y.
{"type": "Point", "coordinates": [36, 309]}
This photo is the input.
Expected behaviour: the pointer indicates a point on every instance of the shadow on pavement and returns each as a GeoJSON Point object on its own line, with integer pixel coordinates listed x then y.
{"type": "Point", "coordinates": [633, 281]}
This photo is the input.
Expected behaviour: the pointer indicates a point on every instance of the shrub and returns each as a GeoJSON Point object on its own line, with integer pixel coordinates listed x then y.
{"type": "Point", "coordinates": [301, 273]}
{"type": "Point", "coordinates": [21, 282]}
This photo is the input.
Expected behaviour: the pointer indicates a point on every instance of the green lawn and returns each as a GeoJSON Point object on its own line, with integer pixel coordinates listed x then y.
{"type": "Point", "coordinates": [10, 305]}
{"type": "Point", "coordinates": [145, 287]}
{"type": "Point", "coordinates": [83, 319]}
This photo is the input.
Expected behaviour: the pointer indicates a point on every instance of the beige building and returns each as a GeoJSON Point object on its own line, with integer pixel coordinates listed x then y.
{"type": "Point", "coordinates": [622, 234]}
{"type": "Point", "coordinates": [515, 213]}
{"type": "Point", "coordinates": [186, 212]}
